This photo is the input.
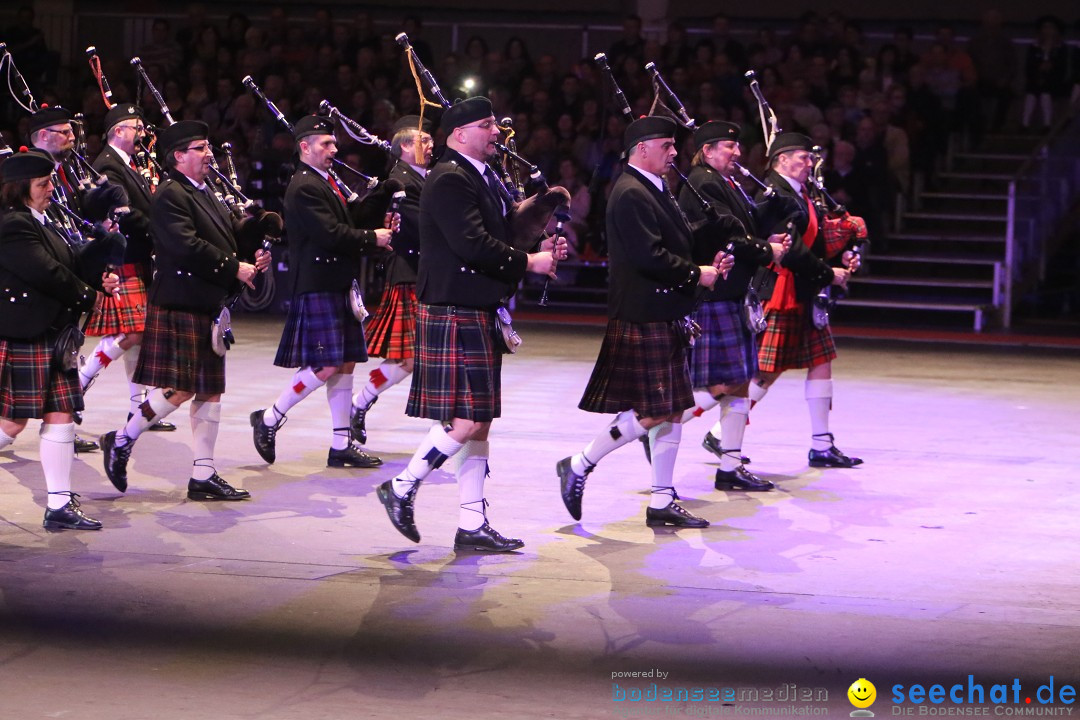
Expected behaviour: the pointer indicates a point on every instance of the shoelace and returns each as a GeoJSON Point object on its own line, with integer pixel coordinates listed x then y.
{"type": "Point", "coordinates": [832, 441]}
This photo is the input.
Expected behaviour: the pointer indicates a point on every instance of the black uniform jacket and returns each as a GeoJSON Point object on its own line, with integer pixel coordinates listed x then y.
{"type": "Point", "coordinates": [750, 249]}
{"type": "Point", "coordinates": [325, 243]}
{"type": "Point", "coordinates": [811, 272]}
{"type": "Point", "coordinates": [195, 246]}
{"type": "Point", "coordinates": [401, 267]}
{"type": "Point", "coordinates": [43, 284]}
{"type": "Point", "coordinates": [136, 224]}
{"type": "Point", "coordinates": [652, 275]}
{"type": "Point", "coordinates": [466, 255]}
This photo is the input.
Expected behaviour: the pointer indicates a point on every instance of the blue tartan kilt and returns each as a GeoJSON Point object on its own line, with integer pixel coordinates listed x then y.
{"type": "Point", "coordinates": [726, 352]}
{"type": "Point", "coordinates": [641, 367]}
{"type": "Point", "coordinates": [320, 332]}
{"type": "Point", "coordinates": [29, 387]}
{"type": "Point", "coordinates": [458, 368]}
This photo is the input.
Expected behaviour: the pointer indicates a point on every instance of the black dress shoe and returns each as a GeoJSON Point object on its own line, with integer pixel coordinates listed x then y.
{"type": "Point", "coordinates": [358, 422]}
{"type": "Point", "coordinates": [116, 460]}
{"type": "Point", "coordinates": [485, 539]}
{"type": "Point", "coordinates": [712, 443]}
{"type": "Point", "coordinates": [832, 457]}
{"type": "Point", "coordinates": [399, 510]}
{"type": "Point", "coordinates": [571, 487]}
{"type": "Point", "coordinates": [264, 436]}
{"type": "Point", "coordinates": [76, 417]}
{"type": "Point", "coordinates": [673, 514]}
{"type": "Point", "coordinates": [69, 517]}
{"type": "Point", "coordinates": [214, 488]}
{"type": "Point", "coordinates": [352, 456]}
{"type": "Point", "coordinates": [84, 446]}
{"type": "Point", "coordinates": [741, 479]}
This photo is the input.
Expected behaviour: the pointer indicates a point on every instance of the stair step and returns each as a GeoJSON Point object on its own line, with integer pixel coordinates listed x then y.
{"type": "Point", "coordinates": [923, 282]}
{"type": "Point", "coordinates": [940, 259]}
{"type": "Point", "coordinates": [945, 237]}
{"type": "Point", "coordinates": [1017, 157]}
{"type": "Point", "coordinates": [995, 177]}
{"type": "Point", "coordinates": [914, 305]}
{"type": "Point", "coordinates": [962, 217]}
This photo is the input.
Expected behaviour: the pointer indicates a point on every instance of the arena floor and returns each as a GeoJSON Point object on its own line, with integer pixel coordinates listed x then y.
{"type": "Point", "coordinates": [949, 558]}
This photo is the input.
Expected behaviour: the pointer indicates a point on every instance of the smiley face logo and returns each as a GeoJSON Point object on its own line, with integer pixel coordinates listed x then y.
{"type": "Point", "coordinates": [862, 693]}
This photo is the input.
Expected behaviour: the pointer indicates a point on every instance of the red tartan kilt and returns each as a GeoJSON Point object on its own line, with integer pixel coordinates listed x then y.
{"type": "Point", "coordinates": [29, 387]}
{"type": "Point", "coordinates": [791, 342]}
{"type": "Point", "coordinates": [641, 367]}
{"type": "Point", "coordinates": [176, 353]}
{"type": "Point", "coordinates": [391, 331]}
{"type": "Point", "coordinates": [125, 313]}
{"type": "Point", "coordinates": [458, 369]}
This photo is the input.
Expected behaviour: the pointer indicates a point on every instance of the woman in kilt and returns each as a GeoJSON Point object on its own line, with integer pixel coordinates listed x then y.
{"type": "Point", "coordinates": [391, 331]}
{"type": "Point", "coordinates": [791, 341]}
{"type": "Point", "coordinates": [322, 337]}
{"type": "Point", "coordinates": [724, 359]}
{"type": "Point", "coordinates": [641, 372]}
{"type": "Point", "coordinates": [198, 249]}
{"type": "Point", "coordinates": [45, 289]}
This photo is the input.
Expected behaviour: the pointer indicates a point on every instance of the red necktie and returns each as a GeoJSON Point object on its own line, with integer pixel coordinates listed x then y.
{"type": "Point", "coordinates": [63, 179]}
{"type": "Point", "coordinates": [337, 190]}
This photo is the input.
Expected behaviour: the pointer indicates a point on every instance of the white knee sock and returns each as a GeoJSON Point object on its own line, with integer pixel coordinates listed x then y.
{"type": "Point", "coordinates": [436, 447]}
{"type": "Point", "coordinates": [5, 439]}
{"type": "Point", "coordinates": [57, 455]}
{"type": "Point", "coordinates": [472, 470]}
{"type": "Point", "coordinates": [664, 444]}
{"type": "Point", "coordinates": [703, 402]}
{"type": "Point", "coordinates": [153, 408]}
{"type": "Point", "coordinates": [730, 428]}
{"type": "Point", "coordinates": [819, 401]}
{"type": "Point", "coordinates": [625, 428]}
{"type": "Point", "coordinates": [339, 398]}
{"type": "Point", "coordinates": [381, 379]}
{"type": "Point", "coordinates": [205, 420]}
{"type": "Point", "coordinates": [135, 391]}
{"type": "Point", "coordinates": [303, 383]}
{"type": "Point", "coordinates": [757, 392]}
{"type": "Point", "coordinates": [107, 350]}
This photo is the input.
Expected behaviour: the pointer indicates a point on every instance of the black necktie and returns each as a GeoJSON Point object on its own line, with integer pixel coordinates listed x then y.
{"type": "Point", "coordinates": [674, 202]}
{"type": "Point", "coordinates": [495, 186]}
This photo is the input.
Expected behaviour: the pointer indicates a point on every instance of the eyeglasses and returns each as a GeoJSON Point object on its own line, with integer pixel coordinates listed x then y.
{"type": "Point", "coordinates": [136, 128]}
{"type": "Point", "coordinates": [201, 147]}
{"type": "Point", "coordinates": [483, 125]}
{"type": "Point", "coordinates": [65, 131]}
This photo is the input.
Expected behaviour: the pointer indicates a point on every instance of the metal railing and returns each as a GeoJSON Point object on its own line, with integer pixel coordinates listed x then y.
{"type": "Point", "coordinates": [1039, 197]}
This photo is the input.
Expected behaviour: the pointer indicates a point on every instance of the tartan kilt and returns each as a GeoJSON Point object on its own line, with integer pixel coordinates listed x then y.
{"type": "Point", "coordinates": [320, 332]}
{"type": "Point", "coordinates": [29, 387]}
{"type": "Point", "coordinates": [125, 313]}
{"type": "Point", "coordinates": [176, 353]}
{"type": "Point", "coordinates": [726, 352]}
{"type": "Point", "coordinates": [391, 331]}
{"type": "Point", "coordinates": [641, 367]}
{"type": "Point", "coordinates": [791, 342]}
{"type": "Point", "coordinates": [458, 368]}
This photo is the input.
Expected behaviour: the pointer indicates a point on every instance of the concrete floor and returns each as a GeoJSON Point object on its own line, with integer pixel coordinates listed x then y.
{"type": "Point", "coordinates": [952, 552]}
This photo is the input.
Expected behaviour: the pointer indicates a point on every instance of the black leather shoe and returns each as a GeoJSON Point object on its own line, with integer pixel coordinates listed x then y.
{"type": "Point", "coordinates": [264, 436]}
{"type": "Point", "coordinates": [644, 440]}
{"type": "Point", "coordinates": [712, 443]}
{"type": "Point", "coordinates": [485, 539]}
{"type": "Point", "coordinates": [352, 456]}
{"type": "Point", "coordinates": [571, 486]}
{"type": "Point", "coordinates": [69, 517]}
{"type": "Point", "coordinates": [116, 460]}
{"type": "Point", "coordinates": [673, 514]}
{"type": "Point", "coordinates": [215, 488]}
{"type": "Point", "coordinates": [741, 479]}
{"type": "Point", "coordinates": [159, 426]}
{"type": "Point", "coordinates": [399, 510]}
{"type": "Point", "coordinates": [832, 457]}
{"type": "Point", "coordinates": [358, 422]}
{"type": "Point", "coordinates": [76, 417]}
{"type": "Point", "coordinates": [83, 445]}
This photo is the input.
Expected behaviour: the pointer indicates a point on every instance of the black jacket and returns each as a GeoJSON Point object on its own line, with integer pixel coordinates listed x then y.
{"type": "Point", "coordinates": [196, 248]}
{"type": "Point", "coordinates": [43, 284]}
{"type": "Point", "coordinates": [466, 255]}
{"type": "Point", "coordinates": [652, 276]}
{"type": "Point", "coordinates": [325, 242]}
{"type": "Point", "coordinates": [136, 224]}
{"type": "Point", "coordinates": [811, 272]}
{"type": "Point", "coordinates": [402, 265]}
{"type": "Point", "coordinates": [750, 248]}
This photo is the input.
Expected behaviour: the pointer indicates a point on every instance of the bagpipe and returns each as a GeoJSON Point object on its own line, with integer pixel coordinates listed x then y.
{"type": "Point", "coordinates": [145, 161]}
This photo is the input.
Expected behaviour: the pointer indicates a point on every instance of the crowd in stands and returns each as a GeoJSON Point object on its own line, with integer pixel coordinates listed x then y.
{"type": "Point", "coordinates": [882, 109]}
